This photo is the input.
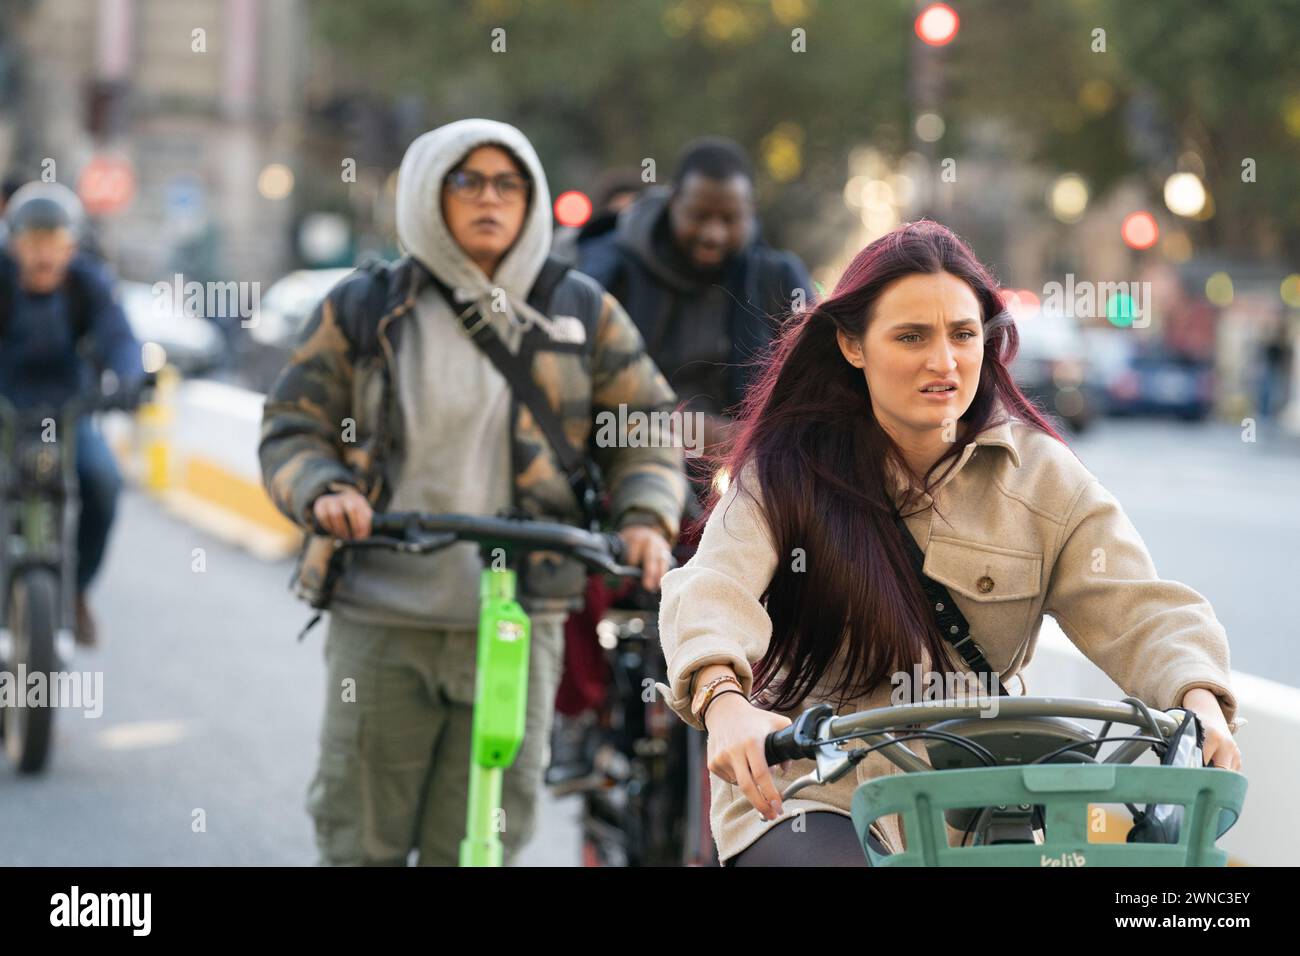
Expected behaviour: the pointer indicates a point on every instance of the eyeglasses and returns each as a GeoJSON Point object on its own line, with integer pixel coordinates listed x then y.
{"type": "Point", "coordinates": [468, 184]}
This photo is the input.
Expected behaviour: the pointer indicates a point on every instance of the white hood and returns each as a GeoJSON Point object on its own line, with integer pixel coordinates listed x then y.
{"type": "Point", "coordinates": [423, 231]}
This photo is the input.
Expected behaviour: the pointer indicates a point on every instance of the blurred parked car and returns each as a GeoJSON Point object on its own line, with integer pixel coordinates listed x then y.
{"type": "Point", "coordinates": [283, 312]}
{"type": "Point", "coordinates": [1142, 377]}
{"type": "Point", "coordinates": [191, 343]}
{"type": "Point", "coordinates": [1053, 368]}
{"type": "Point", "coordinates": [289, 302]}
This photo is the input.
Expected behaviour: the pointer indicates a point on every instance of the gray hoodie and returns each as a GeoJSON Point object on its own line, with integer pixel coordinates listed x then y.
{"type": "Point", "coordinates": [453, 447]}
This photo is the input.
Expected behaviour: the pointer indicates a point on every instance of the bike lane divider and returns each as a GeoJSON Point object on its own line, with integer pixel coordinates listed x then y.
{"type": "Point", "coordinates": [194, 448]}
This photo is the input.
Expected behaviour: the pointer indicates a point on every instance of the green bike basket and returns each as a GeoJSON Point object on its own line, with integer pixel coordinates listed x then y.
{"type": "Point", "coordinates": [1211, 799]}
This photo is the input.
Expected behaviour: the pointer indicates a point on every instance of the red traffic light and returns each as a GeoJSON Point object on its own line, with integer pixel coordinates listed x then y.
{"type": "Point", "coordinates": [937, 24]}
{"type": "Point", "coordinates": [1140, 230]}
{"type": "Point", "coordinates": [572, 208]}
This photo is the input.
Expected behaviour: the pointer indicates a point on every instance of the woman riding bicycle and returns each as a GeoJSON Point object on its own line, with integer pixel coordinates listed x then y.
{"type": "Point", "coordinates": [894, 393]}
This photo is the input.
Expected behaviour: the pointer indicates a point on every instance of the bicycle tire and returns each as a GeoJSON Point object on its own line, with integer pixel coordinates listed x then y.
{"type": "Point", "coordinates": [33, 611]}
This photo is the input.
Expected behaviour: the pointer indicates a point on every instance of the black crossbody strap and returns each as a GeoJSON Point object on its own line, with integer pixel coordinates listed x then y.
{"type": "Point", "coordinates": [521, 383]}
{"type": "Point", "coordinates": [952, 624]}
{"type": "Point", "coordinates": [513, 368]}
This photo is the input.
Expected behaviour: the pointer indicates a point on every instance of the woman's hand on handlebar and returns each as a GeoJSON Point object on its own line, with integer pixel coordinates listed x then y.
{"type": "Point", "coordinates": [648, 550]}
{"type": "Point", "coordinates": [737, 730]}
{"type": "Point", "coordinates": [1220, 749]}
{"type": "Point", "coordinates": [345, 514]}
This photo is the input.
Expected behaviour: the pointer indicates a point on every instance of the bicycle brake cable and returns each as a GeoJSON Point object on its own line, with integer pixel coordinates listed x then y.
{"type": "Point", "coordinates": [859, 754]}
{"type": "Point", "coordinates": [1090, 742]}
{"type": "Point", "coordinates": [1147, 715]}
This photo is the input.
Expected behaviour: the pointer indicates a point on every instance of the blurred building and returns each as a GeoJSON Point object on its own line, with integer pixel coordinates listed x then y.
{"type": "Point", "coordinates": [179, 121]}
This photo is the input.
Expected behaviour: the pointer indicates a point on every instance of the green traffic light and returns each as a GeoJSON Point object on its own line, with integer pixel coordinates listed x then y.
{"type": "Point", "coordinates": [1120, 310]}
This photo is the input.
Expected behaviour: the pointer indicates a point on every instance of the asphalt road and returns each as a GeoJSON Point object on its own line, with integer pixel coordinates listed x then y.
{"type": "Point", "coordinates": [211, 709]}
{"type": "Point", "coordinates": [1220, 514]}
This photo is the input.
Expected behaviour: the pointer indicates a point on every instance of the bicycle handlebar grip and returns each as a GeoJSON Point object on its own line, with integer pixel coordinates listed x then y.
{"type": "Point", "coordinates": [799, 740]}
{"type": "Point", "coordinates": [388, 524]}
{"type": "Point", "coordinates": [617, 548]}
{"type": "Point", "coordinates": [780, 746]}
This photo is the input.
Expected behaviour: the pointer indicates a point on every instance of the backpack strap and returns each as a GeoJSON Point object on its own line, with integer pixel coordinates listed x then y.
{"type": "Point", "coordinates": [79, 305]}
{"type": "Point", "coordinates": [548, 280]}
{"type": "Point", "coordinates": [360, 309]}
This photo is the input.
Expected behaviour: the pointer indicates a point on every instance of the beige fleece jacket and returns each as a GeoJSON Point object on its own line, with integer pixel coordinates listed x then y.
{"type": "Point", "coordinates": [1022, 512]}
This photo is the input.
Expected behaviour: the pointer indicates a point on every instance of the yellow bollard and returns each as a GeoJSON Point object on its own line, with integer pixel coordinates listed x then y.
{"type": "Point", "coordinates": [155, 419]}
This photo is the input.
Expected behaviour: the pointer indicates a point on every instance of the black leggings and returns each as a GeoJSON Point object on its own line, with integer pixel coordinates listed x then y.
{"type": "Point", "coordinates": [827, 839]}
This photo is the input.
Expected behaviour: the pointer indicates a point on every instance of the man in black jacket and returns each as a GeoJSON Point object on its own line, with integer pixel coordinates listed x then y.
{"type": "Point", "coordinates": [690, 267]}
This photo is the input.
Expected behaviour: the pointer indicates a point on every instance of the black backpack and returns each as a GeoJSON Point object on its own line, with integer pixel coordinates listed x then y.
{"type": "Point", "coordinates": [361, 308]}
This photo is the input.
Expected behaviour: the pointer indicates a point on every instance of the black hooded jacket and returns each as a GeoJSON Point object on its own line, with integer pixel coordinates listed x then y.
{"type": "Point", "coordinates": [702, 330]}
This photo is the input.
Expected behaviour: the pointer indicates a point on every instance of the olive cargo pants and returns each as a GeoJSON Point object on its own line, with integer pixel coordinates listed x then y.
{"type": "Point", "coordinates": [393, 774]}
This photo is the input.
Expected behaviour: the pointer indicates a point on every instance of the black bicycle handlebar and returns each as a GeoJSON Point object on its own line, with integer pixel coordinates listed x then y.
{"type": "Point", "coordinates": [419, 532]}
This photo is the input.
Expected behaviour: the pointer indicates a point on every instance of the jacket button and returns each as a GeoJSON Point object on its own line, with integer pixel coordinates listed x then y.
{"type": "Point", "coordinates": [985, 584]}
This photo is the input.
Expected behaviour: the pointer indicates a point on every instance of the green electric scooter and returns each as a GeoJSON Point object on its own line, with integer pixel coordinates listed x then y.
{"type": "Point", "coordinates": [504, 631]}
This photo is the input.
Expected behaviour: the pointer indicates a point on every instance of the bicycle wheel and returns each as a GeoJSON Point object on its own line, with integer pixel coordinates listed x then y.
{"type": "Point", "coordinates": [33, 615]}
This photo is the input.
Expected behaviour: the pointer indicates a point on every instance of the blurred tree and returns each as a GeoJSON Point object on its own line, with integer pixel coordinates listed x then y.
{"type": "Point", "coordinates": [1217, 80]}
{"type": "Point", "coordinates": [597, 84]}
